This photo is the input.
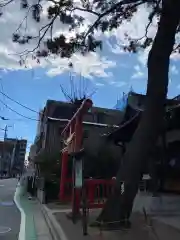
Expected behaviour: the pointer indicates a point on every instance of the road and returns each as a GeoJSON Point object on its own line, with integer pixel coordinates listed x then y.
{"type": "Point", "coordinates": [9, 214]}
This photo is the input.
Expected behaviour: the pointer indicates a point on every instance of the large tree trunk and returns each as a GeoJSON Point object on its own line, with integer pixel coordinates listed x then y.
{"type": "Point", "coordinates": [119, 205]}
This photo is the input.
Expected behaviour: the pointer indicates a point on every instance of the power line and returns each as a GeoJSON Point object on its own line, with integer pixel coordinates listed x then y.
{"type": "Point", "coordinates": [18, 112]}
{"type": "Point", "coordinates": [2, 88]}
{"type": "Point", "coordinates": [13, 119]}
{"type": "Point", "coordinates": [5, 95]}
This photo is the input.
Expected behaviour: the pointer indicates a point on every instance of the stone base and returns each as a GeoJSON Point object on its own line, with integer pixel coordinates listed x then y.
{"type": "Point", "coordinates": [41, 196]}
{"type": "Point", "coordinates": [164, 204]}
{"type": "Point", "coordinates": [77, 217]}
{"type": "Point", "coordinates": [111, 226]}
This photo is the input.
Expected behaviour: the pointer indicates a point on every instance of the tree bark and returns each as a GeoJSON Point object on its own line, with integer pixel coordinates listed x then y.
{"type": "Point", "coordinates": [119, 206]}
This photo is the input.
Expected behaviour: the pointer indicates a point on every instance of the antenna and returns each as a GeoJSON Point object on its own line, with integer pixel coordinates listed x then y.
{"type": "Point", "coordinates": [65, 93]}
{"type": "Point", "coordinates": [71, 90]}
{"type": "Point", "coordinates": [78, 89]}
{"type": "Point", "coordinates": [131, 89]}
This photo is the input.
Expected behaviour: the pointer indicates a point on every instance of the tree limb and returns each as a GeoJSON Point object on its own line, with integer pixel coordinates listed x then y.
{"type": "Point", "coordinates": [108, 12]}
{"type": "Point", "coordinates": [4, 3]}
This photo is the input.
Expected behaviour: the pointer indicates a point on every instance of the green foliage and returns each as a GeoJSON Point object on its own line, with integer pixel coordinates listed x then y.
{"type": "Point", "coordinates": [108, 15]}
{"type": "Point", "coordinates": [49, 164]}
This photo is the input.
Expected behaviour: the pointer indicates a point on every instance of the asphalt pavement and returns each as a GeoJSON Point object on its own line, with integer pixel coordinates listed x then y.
{"type": "Point", "coordinates": [9, 214]}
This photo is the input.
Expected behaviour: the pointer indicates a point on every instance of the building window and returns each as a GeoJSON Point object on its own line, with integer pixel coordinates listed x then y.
{"type": "Point", "coordinates": [85, 134]}
{"type": "Point", "coordinates": [100, 117]}
{"type": "Point", "coordinates": [61, 129]}
{"type": "Point", "coordinates": [89, 117]}
{"type": "Point", "coordinates": [22, 146]}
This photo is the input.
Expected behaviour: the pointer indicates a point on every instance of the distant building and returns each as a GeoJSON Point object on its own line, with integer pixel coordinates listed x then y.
{"type": "Point", "coordinates": [6, 153]}
{"type": "Point", "coordinates": [18, 154]}
{"type": "Point", "coordinates": [32, 152]}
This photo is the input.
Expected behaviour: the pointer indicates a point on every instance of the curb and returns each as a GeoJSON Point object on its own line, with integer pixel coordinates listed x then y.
{"type": "Point", "coordinates": [17, 201]}
{"type": "Point", "coordinates": [27, 227]}
{"type": "Point", "coordinates": [55, 229]}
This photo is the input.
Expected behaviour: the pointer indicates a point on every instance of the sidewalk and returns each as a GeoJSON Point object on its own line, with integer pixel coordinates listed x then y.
{"type": "Point", "coordinates": [40, 224]}
{"type": "Point", "coordinates": [33, 225]}
{"type": "Point", "coordinates": [163, 228]}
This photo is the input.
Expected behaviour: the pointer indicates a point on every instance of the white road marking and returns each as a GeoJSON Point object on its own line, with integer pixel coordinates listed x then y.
{"type": "Point", "coordinates": [1, 185]}
{"type": "Point", "coordinates": [7, 203]}
{"type": "Point", "coordinates": [22, 225]}
{"type": "Point", "coordinates": [4, 229]}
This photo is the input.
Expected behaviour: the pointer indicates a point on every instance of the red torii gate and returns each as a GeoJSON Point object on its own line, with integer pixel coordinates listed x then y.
{"type": "Point", "coordinates": [73, 136]}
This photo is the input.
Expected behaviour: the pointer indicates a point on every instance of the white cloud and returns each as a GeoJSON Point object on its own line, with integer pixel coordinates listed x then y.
{"type": "Point", "coordinates": [112, 82]}
{"type": "Point", "coordinates": [174, 70]}
{"type": "Point", "coordinates": [99, 84]}
{"type": "Point", "coordinates": [136, 30]}
{"type": "Point", "coordinates": [93, 64]}
{"type": "Point", "coordinates": [138, 75]}
{"type": "Point", "coordinates": [138, 72]}
{"type": "Point", "coordinates": [89, 66]}
{"type": "Point", "coordinates": [118, 84]}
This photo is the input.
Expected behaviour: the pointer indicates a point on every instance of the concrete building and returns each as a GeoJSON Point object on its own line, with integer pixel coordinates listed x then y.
{"type": "Point", "coordinates": [19, 154]}
{"type": "Point", "coordinates": [6, 154]}
{"type": "Point", "coordinates": [32, 152]}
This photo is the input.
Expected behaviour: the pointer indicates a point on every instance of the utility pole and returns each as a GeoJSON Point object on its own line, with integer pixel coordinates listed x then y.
{"type": "Point", "coordinates": [5, 132]}
{"type": "Point", "coordinates": [2, 155]}
{"type": "Point", "coordinates": [3, 148]}
{"type": "Point", "coordinates": [0, 166]}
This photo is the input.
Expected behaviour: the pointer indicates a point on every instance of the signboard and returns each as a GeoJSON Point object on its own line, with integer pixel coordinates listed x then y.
{"type": "Point", "coordinates": [78, 173]}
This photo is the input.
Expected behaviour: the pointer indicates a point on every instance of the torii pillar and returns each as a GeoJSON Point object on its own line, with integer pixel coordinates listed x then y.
{"type": "Point", "coordinates": [73, 135]}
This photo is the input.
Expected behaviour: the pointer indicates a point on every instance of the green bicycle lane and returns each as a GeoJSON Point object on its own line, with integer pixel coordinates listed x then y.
{"type": "Point", "coordinates": [27, 227]}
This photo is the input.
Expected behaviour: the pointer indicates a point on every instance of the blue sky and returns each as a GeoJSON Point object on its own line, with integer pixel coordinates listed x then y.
{"type": "Point", "coordinates": [110, 72]}
{"type": "Point", "coordinates": [33, 87]}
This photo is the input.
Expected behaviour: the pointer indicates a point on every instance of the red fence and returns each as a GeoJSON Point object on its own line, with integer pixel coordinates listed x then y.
{"type": "Point", "coordinates": [97, 191]}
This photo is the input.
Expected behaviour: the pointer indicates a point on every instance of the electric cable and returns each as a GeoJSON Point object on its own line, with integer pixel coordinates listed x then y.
{"type": "Point", "coordinates": [33, 119]}
{"type": "Point", "coordinates": [22, 105]}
